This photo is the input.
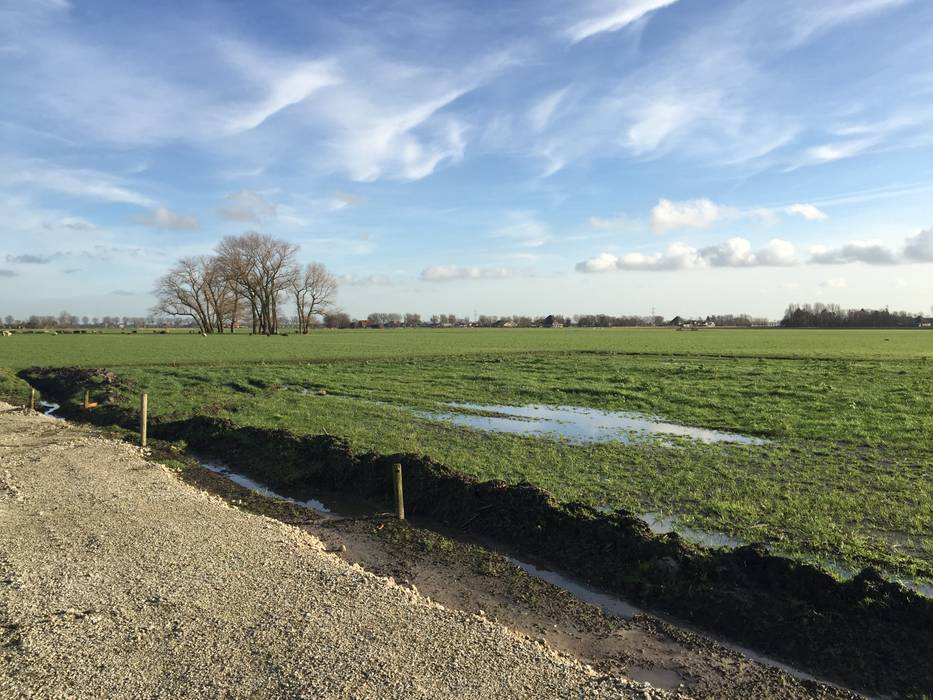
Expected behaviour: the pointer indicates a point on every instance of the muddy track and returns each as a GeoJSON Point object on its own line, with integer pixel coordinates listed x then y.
{"type": "Point", "coordinates": [865, 632]}
{"type": "Point", "coordinates": [121, 581]}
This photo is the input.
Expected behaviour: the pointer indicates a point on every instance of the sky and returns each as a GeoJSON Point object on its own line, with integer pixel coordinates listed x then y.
{"type": "Point", "coordinates": [601, 156]}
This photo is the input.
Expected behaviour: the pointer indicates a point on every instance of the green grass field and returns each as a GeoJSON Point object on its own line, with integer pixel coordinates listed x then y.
{"type": "Point", "coordinates": [847, 476]}
{"type": "Point", "coordinates": [147, 348]}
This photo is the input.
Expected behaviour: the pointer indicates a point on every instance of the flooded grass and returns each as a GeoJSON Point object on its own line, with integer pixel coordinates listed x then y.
{"type": "Point", "coordinates": [846, 473]}
{"type": "Point", "coordinates": [579, 424]}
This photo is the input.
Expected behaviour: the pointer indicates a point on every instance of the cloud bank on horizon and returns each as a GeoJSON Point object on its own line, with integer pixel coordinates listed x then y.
{"type": "Point", "coordinates": [444, 158]}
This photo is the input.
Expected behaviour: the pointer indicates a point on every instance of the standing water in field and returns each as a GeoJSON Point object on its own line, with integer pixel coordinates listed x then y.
{"type": "Point", "coordinates": [580, 424]}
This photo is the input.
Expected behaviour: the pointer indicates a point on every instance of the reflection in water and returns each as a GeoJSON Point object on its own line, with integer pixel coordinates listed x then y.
{"type": "Point", "coordinates": [580, 424]}
{"type": "Point", "coordinates": [263, 490]}
{"type": "Point", "coordinates": [608, 603]}
{"type": "Point", "coordinates": [50, 409]}
{"type": "Point", "coordinates": [662, 524]}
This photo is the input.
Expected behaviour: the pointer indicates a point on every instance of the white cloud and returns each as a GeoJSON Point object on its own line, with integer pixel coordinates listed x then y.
{"type": "Point", "coordinates": [835, 283]}
{"type": "Point", "coordinates": [613, 17]}
{"type": "Point", "coordinates": [777, 253]}
{"type": "Point", "coordinates": [164, 218]}
{"type": "Point", "coordinates": [677, 256]}
{"type": "Point", "coordinates": [870, 252]}
{"type": "Point", "coordinates": [694, 213]}
{"type": "Point", "coordinates": [248, 206]}
{"type": "Point", "coordinates": [448, 273]}
{"type": "Point", "coordinates": [919, 247]}
{"type": "Point", "coordinates": [738, 252]}
{"type": "Point", "coordinates": [807, 211]}
{"type": "Point", "coordinates": [735, 252]}
{"type": "Point", "coordinates": [604, 262]}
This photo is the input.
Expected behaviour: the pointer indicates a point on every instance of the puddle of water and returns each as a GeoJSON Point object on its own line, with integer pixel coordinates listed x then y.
{"type": "Point", "coordinates": [580, 424]}
{"type": "Point", "coordinates": [663, 678]}
{"type": "Point", "coordinates": [608, 603]}
{"type": "Point", "coordinates": [50, 409]}
{"type": "Point", "coordinates": [662, 524]}
{"type": "Point", "coordinates": [333, 509]}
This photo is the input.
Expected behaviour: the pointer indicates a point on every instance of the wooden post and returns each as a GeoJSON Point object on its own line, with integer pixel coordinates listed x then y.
{"type": "Point", "coordinates": [399, 495]}
{"type": "Point", "coordinates": [32, 400]}
{"type": "Point", "coordinates": [143, 419]}
{"type": "Point", "coordinates": [87, 397]}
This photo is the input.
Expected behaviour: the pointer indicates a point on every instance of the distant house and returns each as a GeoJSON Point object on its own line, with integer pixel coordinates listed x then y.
{"type": "Point", "coordinates": [504, 323]}
{"type": "Point", "coordinates": [551, 322]}
{"type": "Point", "coordinates": [924, 322]}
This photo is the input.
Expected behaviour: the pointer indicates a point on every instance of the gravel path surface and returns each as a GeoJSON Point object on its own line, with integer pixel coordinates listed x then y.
{"type": "Point", "coordinates": [118, 580]}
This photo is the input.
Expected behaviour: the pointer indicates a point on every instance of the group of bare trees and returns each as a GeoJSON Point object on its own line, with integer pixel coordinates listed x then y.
{"type": "Point", "coordinates": [249, 274]}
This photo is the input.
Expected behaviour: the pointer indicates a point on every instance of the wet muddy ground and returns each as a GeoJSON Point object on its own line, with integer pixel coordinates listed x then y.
{"type": "Point", "coordinates": [472, 578]}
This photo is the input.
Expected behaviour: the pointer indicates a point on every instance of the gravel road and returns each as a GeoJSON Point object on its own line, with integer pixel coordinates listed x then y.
{"type": "Point", "coordinates": [118, 580]}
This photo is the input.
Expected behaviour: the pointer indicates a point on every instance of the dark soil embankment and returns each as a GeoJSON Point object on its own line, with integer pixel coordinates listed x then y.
{"type": "Point", "coordinates": [866, 632]}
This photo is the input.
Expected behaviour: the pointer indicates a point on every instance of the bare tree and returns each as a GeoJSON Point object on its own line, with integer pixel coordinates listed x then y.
{"type": "Point", "coordinates": [259, 268]}
{"type": "Point", "coordinates": [314, 289]}
{"type": "Point", "coordinates": [183, 291]}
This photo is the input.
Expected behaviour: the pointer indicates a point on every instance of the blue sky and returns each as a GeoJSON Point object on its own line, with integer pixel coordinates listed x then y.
{"type": "Point", "coordinates": [694, 156]}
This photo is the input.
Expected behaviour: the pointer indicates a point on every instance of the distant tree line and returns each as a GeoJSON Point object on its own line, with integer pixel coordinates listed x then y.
{"type": "Point", "coordinates": [68, 320]}
{"type": "Point", "coordinates": [833, 316]}
{"type": "Point", "coordinates": [248, 279]}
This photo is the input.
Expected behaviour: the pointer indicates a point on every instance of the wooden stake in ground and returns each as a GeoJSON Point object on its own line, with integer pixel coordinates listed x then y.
{"type": "Point", "coordinates": [32, 400]}
{"type": "Point", "coordinates": [143, 419]}
{"type": "Point", "coordinates": [87, 398]}
{"type": "Point", "coordinates": [399, 496]}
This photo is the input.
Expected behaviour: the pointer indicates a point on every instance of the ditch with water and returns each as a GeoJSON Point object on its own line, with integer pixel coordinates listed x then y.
{"type": "Point", "coordinates": [332, 506]}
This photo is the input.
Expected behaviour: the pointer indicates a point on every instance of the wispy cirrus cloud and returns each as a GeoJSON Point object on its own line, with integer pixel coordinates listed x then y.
{"type": "Point", "coordinates": [612, 16]}
{"type": "Point", "coordinates": [85, 183]}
